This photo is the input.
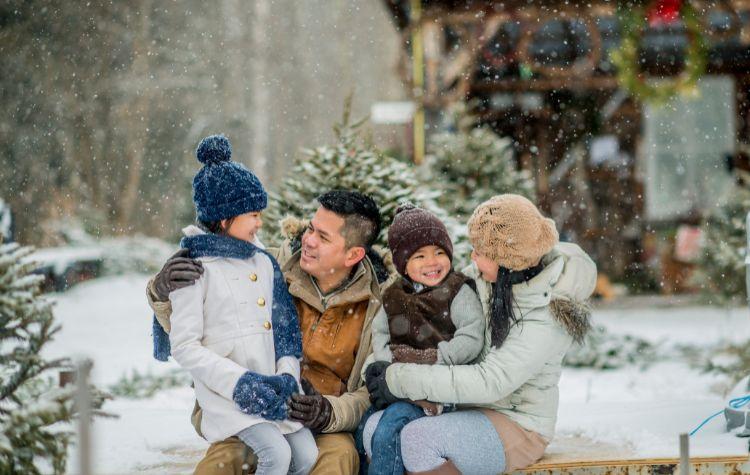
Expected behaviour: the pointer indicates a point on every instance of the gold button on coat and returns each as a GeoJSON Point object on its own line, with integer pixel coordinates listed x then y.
{"type": "Point", "coordinates": [267, 325]}
{"type": "Point", "coordinates": [253, 277]}
{"type": "Point", "coordinates": [262, 302]}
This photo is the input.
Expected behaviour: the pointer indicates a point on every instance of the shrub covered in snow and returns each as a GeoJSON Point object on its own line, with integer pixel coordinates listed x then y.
{"type": "Point", "coordinates": [730, 359]}
{"type": "Point", "coordinates": [604, 350]}
{"type": "Point", "coordinates": [473, 165]}
{"type": "Point", "coordinates": [143, 385]}
{"type": "Point", "coordinates": [31, 408]}
{"type": "Point", "coordinates": [352, 163]}
{"type": "Point", "coordinates": [721, 267]}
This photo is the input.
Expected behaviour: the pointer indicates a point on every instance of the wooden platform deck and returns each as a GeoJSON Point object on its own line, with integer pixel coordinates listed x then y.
{"type": "Point", "coordinates": [579, 456]}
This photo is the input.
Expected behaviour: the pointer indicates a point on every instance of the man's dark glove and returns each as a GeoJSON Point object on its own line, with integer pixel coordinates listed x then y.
{"type": "Point", "coordinates": [313, 411]}
{"type": "Point", "coordinates": [374, 370]}
{"type": "Point", "coordinates": [179, 271]}
{"type": "Point", "coordinates": [254, 396]}
{"type": "Point", "coordinates": [380, 396]}
{"type": "Point", "coordinates": [307, 387]}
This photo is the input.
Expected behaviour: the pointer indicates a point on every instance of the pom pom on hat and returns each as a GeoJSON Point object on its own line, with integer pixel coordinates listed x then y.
{"type": "Point", "coordinates": [214, 149]}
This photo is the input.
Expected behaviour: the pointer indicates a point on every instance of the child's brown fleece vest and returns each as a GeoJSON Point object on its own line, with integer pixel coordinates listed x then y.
{"type": "Point", "coordinates": [421, 319]}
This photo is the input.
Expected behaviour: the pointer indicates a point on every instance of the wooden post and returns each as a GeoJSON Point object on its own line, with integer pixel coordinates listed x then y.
{"type": "Point", "coordinates": [83, 408]}
{"type": "Point", "coordinates": [417, 58]}
{"type": "Point", "coordinates": [684, 454]}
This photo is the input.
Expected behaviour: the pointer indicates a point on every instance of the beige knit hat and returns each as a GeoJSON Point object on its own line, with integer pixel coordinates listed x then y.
{"type": "Point", "coordinates": [510, 230]}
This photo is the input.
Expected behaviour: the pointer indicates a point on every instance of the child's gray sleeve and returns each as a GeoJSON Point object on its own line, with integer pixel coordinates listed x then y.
{"type": "Point", "coordinates": [381, 337]}
{"type": "Point", "coordinates": [467, 341]}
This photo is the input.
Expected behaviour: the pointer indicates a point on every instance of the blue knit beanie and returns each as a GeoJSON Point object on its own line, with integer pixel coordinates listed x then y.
{"type": "Point", "coordinates": [223, 189]}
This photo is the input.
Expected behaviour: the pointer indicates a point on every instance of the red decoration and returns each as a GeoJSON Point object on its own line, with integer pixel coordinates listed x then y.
{"type": "Point", "coordinates": [664, 12]}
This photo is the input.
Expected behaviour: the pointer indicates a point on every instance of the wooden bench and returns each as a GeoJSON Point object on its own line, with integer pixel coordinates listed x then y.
{"type": "Point", "coordinates": [579, 456]}
{"type": "Point", "coordinates": [729, 465]}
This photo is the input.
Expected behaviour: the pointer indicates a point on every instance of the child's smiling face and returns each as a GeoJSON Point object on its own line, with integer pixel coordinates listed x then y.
{"type": "Point", "coordinates": [245, 226]}
{"type": "Point", "coordinates": [429, 265]}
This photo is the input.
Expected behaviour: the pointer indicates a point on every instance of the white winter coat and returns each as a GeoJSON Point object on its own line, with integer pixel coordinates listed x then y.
{"type": "Point", "coordinates": [520, 378]}
{"type": "Point", "coordinates": [221, 327]}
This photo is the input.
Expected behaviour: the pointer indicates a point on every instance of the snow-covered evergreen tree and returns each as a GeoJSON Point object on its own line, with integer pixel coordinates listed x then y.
{"type": "Point", "coordinates": [472, 165]}
{"type": "Point", "coordinates": [721, 267]}
{"type": "Point", "coordinates": [31, 406]}
{"type": "Point", "coordinates": [350, 163]}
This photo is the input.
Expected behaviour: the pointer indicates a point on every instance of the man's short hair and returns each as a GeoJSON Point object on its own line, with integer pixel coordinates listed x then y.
{"type": "Point", "coordinates": [361, 215]}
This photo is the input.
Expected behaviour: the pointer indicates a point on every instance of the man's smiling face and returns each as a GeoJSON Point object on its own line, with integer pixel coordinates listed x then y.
{"type": "Point", "coordinates": [324, 251]}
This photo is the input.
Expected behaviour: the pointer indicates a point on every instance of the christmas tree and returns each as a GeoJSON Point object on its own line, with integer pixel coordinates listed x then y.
{"type": "Point", "coordinates": [721, 267]}
{"type": "Point", "coordinates": [350, 163]}
{"type": "Point", "coordinates": [473, 165]}
{"type": "Point", "coordinates": [31, 407]}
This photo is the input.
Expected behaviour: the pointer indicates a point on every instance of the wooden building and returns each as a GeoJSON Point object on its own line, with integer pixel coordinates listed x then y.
{"type": "Point", "coordinates": [616, 171]}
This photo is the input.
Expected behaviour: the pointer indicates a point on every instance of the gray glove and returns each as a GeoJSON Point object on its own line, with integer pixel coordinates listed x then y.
{"type": "Point", "coordinates": [179, 271]}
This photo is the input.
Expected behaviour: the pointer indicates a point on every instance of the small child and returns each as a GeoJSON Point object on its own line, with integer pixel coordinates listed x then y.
{"type": "Point", "coordinates": [236, 329]}
{"type": "Point", "coordinates": [431, 315]}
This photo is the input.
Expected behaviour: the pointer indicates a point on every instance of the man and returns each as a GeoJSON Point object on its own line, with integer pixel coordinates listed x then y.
{"type": "Point", "coordinates": [336, 290]}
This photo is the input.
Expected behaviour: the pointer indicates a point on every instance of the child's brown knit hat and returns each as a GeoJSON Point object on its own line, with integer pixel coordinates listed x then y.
{"type": "Point", "coordinates": [510, 230]}
{"type": "Point", "coordinates": [413, 228]}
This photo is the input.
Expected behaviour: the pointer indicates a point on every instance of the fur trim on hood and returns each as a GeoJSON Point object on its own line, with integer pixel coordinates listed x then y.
{"type": "Point", "coordinates": [292, 227]}
{"type": "Point", "coordinates": [574, 316]}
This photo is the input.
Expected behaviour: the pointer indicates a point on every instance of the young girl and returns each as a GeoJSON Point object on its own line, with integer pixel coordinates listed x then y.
{"type": "Point", "coordinates": [236, 330]}
{"type": "Point", "coordinates": [431, 315]}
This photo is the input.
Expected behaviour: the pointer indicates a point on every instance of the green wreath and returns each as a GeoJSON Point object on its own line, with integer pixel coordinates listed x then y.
{"type": "Point", "coordinates": [625, 58]}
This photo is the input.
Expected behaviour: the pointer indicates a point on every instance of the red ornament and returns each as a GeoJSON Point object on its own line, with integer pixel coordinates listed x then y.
{"type": "Point", "coordinates": [664, 12]}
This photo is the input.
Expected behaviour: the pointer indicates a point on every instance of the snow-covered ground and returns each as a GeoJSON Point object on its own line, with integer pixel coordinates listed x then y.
{"type": "Point", "coordinates": [625, 412]}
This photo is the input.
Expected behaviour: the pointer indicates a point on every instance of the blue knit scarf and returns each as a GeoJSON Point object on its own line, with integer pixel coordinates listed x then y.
{"type": "Point", "coordinates": [287, 338]}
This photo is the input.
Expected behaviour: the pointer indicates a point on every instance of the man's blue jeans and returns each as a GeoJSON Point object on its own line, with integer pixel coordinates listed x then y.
{"type": "Point", "coordinates": [386, 440]}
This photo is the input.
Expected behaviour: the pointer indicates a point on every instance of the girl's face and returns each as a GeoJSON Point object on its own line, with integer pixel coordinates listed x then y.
{"type": "Point", "coordinates": [244, 226]}
{"type": "Point", "coordinates": [487, 268]}
{"type": "Point", "coordinates": [428, 266]}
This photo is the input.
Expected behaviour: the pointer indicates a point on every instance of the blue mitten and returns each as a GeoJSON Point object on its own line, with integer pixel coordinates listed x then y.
{"type": "Point", "coordinates": [276, 412]}
{"type": "Point", "coordinates": [284, 384]}
{"type": "Point", "coordinates": [255, 396]}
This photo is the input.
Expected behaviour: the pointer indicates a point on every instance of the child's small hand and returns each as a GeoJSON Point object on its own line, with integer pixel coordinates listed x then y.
{"type": "Point", "coordinates": [254, 396]}
{"type": "Point", "coordinates": [430, 408]}
{"type": "Point", "coordinates": [408, 354]}
{"type": "Point", "coordinates": [284, 384]}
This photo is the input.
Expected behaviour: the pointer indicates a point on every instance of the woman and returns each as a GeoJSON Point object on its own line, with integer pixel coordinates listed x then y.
{"type": "Point", "coordinates": [532, 291]}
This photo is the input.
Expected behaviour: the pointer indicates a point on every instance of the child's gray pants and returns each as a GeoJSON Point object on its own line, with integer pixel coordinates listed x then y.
{"type": "Point", "coordinates": [279, 454]}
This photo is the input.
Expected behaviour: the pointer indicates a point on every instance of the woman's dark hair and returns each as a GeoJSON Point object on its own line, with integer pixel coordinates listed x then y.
{"type": "Point", "coordinates": [215, 227]}
{"type": "Point", "coordinates": [501, 311]}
